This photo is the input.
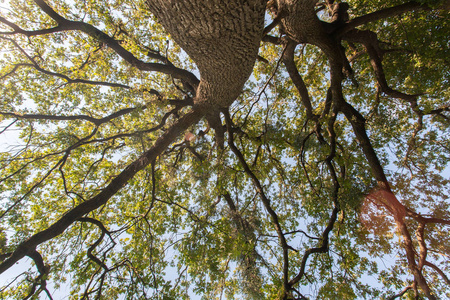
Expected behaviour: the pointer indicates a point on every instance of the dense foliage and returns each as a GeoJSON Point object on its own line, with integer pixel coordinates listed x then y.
{"type": "Point", "coordinates": [327, 178]}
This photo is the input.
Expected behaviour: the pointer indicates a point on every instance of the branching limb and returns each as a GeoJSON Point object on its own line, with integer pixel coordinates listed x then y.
{"type": "Point", "coordinates": [58, 164]}
{"type": "Point", "coordinates": [379, 15]}
{"type": "Point", "coordinates": [439, 111]}
{"type": "Point", "coordinates": [385, 195]}
{"type": "Point", "coordinates": [439, 271]}
{"type": "Point", "coordinates": [64, 77]}
{"type": "Point", "coordinates": [264, 199]}
{"type": "Point", "coordinates": [426, 220]}
{"type": "Point", "coordinates": [407, 288]}
{"type": "Point", "coordinates": [324, 241]}
{"type": "Point", "coordinates": [68, 25]}
{"type": "Point", "coordinates": [95, 259]}
{"type": "Point", "coordinates": [18, 30]}
{"type": "Point", "coordinates": [95, 121]}
{"type": "Point", "coordinates": [34, 186]}
{"type": "Point", "coordinates": [83, 141]}
{"type": "Point", "coordinates": [102, 198]}
{"type": "Point", "coordinates": [370, 41]}
{"type": "Point", "coordinates": [272, 39]}
{"type": "Point", "coordinates": [322, 248]}
{"type": "Point", "coordinates": [41, 279]}
{"type": "Point", "coordinates": [288, 60]}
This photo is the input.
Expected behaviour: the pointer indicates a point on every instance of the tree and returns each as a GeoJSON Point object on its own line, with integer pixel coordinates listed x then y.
{"type": "Point", "coordinates": [279, 149]}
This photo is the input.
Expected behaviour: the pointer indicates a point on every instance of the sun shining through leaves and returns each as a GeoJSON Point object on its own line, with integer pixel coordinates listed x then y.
{"type": "Point", "coordinates": [187, 149]}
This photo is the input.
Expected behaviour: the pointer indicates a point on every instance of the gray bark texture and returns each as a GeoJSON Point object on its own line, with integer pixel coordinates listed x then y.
{"type": "Point", "coordinates": [221, 36]}
{"type": "Point", "coordinates": [299, 20]}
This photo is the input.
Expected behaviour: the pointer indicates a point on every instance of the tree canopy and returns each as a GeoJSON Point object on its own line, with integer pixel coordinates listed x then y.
{"type": "Point", "coordinates": [178, 149]}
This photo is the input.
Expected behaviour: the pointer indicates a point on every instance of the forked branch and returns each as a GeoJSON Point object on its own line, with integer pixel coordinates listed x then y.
{"type": "Point", "coordinates": [106, 194]}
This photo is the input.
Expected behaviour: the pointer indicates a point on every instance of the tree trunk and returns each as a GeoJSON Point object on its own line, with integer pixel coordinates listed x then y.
{"type": "Point", "coordinates": [222, 37]}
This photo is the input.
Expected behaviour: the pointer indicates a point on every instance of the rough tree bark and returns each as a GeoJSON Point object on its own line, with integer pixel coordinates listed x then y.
{"type": "Point", "coordinates": [299, 22]}
{"type": "Point", "coordinates": [222, 37]}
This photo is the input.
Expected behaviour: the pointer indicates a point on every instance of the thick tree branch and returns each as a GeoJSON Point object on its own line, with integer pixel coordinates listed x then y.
{"type": "Point", "coordinates": [407, 288]}
{"type": "Point", "coordinates": [67, 25]}
{"type": "Point", "coordinates": [370, 41]}
{"type": "Point", "coordinates": [439, 271]}
{"type": "Point", "coordinates": [41, 279]}
{"type": "Point", "coordinates": [379, 15]}
{"type": "Point", "coordinates": [385, 195]}
{"type": "Point", "coordinates": [322, 248]}
{"type": "Point", "coordinates": [67, 78]}
{"type": "Point", "coordinates": [426, 220]}
{"type": "Point", "coordinates": [420, 235]}
{"type": "Point", "coordinates": [18, 30]}
{"type": "Point", "coordinates": [95, 121]}
{"type": "Point", "coordinates": [102, 198]}
{"type": "Point", "coordinates": [288, 59]}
